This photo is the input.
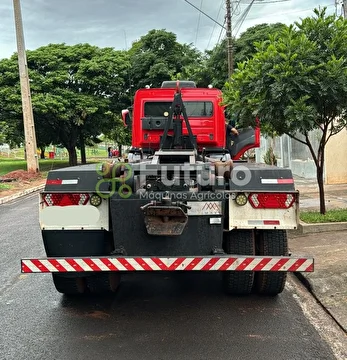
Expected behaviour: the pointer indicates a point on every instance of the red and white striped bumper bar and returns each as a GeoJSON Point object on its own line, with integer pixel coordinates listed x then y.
{"type": "Point", "coordinates": [210, 263]}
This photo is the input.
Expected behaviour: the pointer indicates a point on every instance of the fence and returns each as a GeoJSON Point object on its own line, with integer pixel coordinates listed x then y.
{"type": "Point", "coordinates": [291, 153]}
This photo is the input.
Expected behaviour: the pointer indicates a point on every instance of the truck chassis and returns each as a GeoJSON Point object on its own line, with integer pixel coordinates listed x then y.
{"type": "Point", "coordinates": [181, 209]}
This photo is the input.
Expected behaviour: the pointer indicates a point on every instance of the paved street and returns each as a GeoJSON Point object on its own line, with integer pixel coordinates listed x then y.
{"type": "Point", "coordinates": [152, 316]}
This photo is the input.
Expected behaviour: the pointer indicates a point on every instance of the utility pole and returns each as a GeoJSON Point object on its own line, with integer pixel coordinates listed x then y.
{"type": "Point", "coordinates": [28, 116]}
{"type": "Point", "coordinates": [229, 38]}
{"type": "Point", "coordinates": [344, 8]}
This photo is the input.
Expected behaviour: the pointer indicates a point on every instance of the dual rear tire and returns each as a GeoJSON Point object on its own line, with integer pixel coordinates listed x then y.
{"type": "Point", "coordinates": [271, 243]}
{"type": "Point", "coordinates": [241, 242]}
{"type": "Point", "coordinates": [263, 243]}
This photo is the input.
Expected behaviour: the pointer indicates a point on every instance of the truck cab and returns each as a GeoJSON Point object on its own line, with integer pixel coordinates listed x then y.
{"type": "Point", "coordinates": [204, 109]}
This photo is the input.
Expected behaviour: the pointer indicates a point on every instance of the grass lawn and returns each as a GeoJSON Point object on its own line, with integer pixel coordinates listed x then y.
{"type": "Point", "coordinates": [8, 165]}
{"type": "Point", "coordinates": [4, 186]}
{"type": "Point", "coordinates": [312, 217]}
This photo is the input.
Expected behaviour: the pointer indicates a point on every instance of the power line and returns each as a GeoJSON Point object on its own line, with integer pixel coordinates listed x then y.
{"type": "Point", "coordinates": [221, 31]}
{"type": "Point", "coordinates": [236, 8]}
{"type": "Point", "coordinates": [214, 25]}
{"type": "Point", "coordinates": [243, 18]}
{"type": "Point", "coordinates": [199, 17]}
{"type": "Point", "coordinates": [202, 12]}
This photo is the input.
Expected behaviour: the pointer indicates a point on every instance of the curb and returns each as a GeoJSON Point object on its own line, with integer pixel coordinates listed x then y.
{"type": "Point", "coordinates": [20, 194]}
{"type": "Point", "coordinates": [305, 228]}
{"type": "Point", "coordinates": [308, 285]}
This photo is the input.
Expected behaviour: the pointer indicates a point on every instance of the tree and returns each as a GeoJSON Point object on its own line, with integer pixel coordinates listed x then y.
{"type": "Point", "coordinates": [44, 134]}
{"type": "Point", "coordinates": [119, 134]}
{"type": "Point", "coordinates": [215, 65]}
{"type": "Point", "coordinates": [297, 82]}
{"type": "Point", "coordinates": [244, 46]}
{"type": "Point", "coordinates": [11, 103]}
{"type": "Point", "coordinates": [157, 56]}
{"type": "Point", "coordinates": [74, 91]}
{"type": "Point", "coordinates": [3, 131]}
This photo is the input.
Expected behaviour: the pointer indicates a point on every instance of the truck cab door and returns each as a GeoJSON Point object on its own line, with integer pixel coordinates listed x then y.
{"type": "Point", "coordinates": [248, 138]}
{"type": "Point", "coordinates": [126, 117]}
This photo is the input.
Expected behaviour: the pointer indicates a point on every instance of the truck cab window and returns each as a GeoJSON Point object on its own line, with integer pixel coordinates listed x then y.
{"type": "Point", "coordinates": [193, 108]}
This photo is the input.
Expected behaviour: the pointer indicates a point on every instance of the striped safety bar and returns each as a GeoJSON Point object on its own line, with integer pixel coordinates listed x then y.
{"type": "Point", "coordinates": [204, 263]}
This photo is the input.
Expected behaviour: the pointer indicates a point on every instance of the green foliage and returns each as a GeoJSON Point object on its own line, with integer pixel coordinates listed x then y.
{"type": "Point", "coordinates": [338, 215]}
{"type": "Point", "coordinates": [157, 56]}
{"type": "Point", "coordinates": [76, 90]}
{"type": "Point", "coordinates": [4, 186]}
{"type": "Point", "coordinates": [3, 132]}
{"type": "Point", "coordinates": [118, 133]}
{"type": "Point", "coordinates": [270, 157]}
{"type": "Point", "coordinates": [296, 82]}
{"type": "Point", "coordinates": [214, 69]}
{"type": "Point", "coordinates": [245, 45]}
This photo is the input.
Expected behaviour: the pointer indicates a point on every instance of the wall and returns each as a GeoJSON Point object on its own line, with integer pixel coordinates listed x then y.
{"type": "Point", "coordinates": [296, 156]}
{"type": "Point", "coordinates": [291, 154]}
{"type": "Point", "coordinates": [336, 159]}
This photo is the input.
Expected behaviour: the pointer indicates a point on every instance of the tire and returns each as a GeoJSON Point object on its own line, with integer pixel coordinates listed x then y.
{"type": "Point", "coordinates": [271, 243]}
{"type": "Point", "coordinates": [103, 283]}
{"type": "Point", "coordinates": [69, 285]}
{"type": "Point", "coordinates": [239, 242]}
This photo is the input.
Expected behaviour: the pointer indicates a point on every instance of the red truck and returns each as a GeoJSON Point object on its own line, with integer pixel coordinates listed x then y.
{"type": "Point", "coordinates": [187, 204]}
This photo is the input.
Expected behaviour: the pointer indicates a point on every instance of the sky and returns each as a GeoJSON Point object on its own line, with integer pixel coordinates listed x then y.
{"type": "Point", "coordinates": [118, 23]}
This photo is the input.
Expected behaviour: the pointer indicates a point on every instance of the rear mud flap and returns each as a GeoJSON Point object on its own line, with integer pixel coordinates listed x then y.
{"type": "Point", "coordinates": [164, 220]}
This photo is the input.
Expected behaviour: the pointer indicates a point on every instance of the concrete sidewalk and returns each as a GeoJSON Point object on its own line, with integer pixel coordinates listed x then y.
{"type": "Point", "coordinates": [327, 243]}
{"type": "Point", "coordinates": [328, 282]}
{"type": "Point", "coordinates": [335, 195]}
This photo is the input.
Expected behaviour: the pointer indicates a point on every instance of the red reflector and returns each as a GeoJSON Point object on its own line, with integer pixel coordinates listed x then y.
{"type": "Point", "coordinates": [271, 200]}
{"type": "Point", "coordinates": [271, 222]}
{"type": "Point", "coordinates": [59, 199]}
{"type": "Point", "coordinates": [54, 182]}
{"type": "Point", "coordinates": [285, 181]}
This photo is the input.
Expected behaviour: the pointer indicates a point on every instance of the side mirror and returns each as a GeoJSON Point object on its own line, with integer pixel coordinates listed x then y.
{"type": "Point", "coordinates": [126, 118]}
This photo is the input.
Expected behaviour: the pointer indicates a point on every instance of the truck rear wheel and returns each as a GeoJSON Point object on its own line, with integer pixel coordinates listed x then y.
{"type": "Point", "coordinates": [238, 242]}
{"type": "Point", "coordinates": [69, 285]}
{"type": "Point", "coordinates": [102, 283]}
{"type": "Point", "coordinates": [271, 243]}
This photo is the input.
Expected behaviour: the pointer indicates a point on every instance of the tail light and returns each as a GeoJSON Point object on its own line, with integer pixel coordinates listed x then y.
{"type": "Point", "coordinates": [271, 200]}
{"type": "Point", "coordinates": [59, 199]}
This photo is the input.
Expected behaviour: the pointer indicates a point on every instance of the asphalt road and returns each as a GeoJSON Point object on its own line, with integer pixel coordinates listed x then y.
{"type": "Point", "coordinates": [152, 316]}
